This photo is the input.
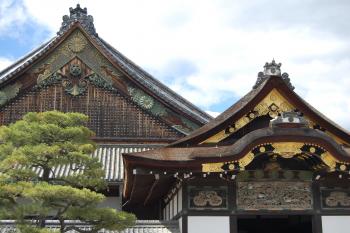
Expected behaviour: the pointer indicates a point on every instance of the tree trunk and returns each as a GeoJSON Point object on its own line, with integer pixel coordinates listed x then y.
{"type": "Point", "coordinates": [45, 177]}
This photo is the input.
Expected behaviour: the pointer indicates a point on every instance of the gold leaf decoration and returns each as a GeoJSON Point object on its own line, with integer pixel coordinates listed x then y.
{"type": "Point", "coordinates": [329, 160]}
{"type": "Point", "coordinates": [212, 167]}
{"type": "Point", "coordinates": [77, 43]}
{"type": "Point", "coordinates": [287, 149]}
{"type": "Point", "coordinates": [243, 162]}
{"type": "Point", "coordinates": [273, 104]}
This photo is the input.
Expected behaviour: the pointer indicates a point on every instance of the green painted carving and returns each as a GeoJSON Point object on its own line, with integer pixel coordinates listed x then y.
{"type": "Point", "coordinates": [53, 79]}
{"type": "Point", "coordinates": [9, 92]}
{"type": "Point", "coordinates": [98, 81]}
{"type": "Point", "coordinates": [77, 45]}
{"type": "Point", "coordinates": [145, 101]}
{"type": "Point", "coordinates": [158, 109]}
{"type": "Point", "coordinates": [75, 70]}
{"type": "Point", "coordinates": [142, 99]}
{"type": "Point", "coordinates": [74, 88]}
{"type": "Point", "coordinates": [74, 85]}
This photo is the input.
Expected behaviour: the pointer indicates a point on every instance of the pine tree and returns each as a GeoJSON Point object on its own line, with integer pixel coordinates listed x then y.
{"type": "Point", "coordinates": [30, 192]}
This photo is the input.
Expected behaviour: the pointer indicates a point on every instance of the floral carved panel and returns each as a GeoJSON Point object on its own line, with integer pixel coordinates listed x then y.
{"type": "Point", "coordinates": [274, 195]}
{"type": "Point", "coordinates": [335, 198]}
{"type": "Point", "coordinates": [207, 197]}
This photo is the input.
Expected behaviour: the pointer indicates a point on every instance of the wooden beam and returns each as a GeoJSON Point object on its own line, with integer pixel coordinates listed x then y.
{"type": "Point", "coordinates": [155, 183]}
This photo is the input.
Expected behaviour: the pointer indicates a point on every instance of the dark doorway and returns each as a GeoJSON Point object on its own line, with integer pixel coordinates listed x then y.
{"type": "Point", "coordinates": [275, 224]}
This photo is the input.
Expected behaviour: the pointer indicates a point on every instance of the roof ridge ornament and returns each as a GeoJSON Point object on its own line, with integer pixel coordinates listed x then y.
{"type": "Point", "coordinates": [78, 14]}
{"type": "Point", "coordinates": [272, 69]}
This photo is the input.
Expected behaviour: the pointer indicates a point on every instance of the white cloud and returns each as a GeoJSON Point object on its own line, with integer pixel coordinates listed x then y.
{"type": "Point", "coordinates": [226, 43]}
{"type": "Point", "coordinates": [12, 16]}
{"type": "Point", "coordinates": [213, 114]}
{"type": "Point", "coordinates": [4, 62]}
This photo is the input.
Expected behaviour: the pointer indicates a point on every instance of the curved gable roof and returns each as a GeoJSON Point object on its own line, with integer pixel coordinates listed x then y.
{"type": "Point", "coordinates": [141, 78]}
{"type": "Point", "coordinates": [250, 100]}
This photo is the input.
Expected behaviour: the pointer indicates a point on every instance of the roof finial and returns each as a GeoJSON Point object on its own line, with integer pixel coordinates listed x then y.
{"type": "Point", "coordinates": [272, 69]}
{"type": "Point", "coordinates": [78, 14]}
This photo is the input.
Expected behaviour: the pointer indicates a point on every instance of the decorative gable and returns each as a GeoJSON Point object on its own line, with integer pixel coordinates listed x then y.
{"type": "Point", "coordinates": [271, 96]}
{"type": "Point", "coordinates": [74, 65]}
{"type": "Point", "coordinates": [77, 88]}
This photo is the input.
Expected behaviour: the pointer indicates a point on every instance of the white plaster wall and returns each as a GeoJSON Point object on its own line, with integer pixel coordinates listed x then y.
{"type": "Point", "coordinates": [209, 224]}
{"type": "Point", "coordinates": [179, 200]}
{"type": "Point", "coordinates": [171, 204]}
{"type": "Point", "coordinates": [180, 224]}
{"type": "Point", "coordinates": [335, 224]}
{"type": "Point", "coordinates": [167, 212]}
{"type": "Point", "coordinates": [175, 205]}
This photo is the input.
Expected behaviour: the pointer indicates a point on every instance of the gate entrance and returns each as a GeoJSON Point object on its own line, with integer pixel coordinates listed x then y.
{"type": "Point", "coordinates": [275, 224]}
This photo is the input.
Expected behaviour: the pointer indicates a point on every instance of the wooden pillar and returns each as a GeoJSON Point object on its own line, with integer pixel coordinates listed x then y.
{"type": "Point", "coordinates": [317, 223]}
{"type": "Point", "coordinates": [184, 208]}
{"type": "Point", "coordinates": [316, 218]}
{"type": "Point", "coordinates": [233, 224]}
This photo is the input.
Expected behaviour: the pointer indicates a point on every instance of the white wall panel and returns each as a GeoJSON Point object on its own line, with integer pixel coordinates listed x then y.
{"type": "Point", "coordinates": [335, 224]}
{"type": "Point", "coordinates": [180, 224]}
{"type": "Point", "coordinates": [209, 224]}
{"type": "Point", "coordinates": [175, 205]}
{"type": "Point", "coordinates": [180, 199]}
{"type": "Point", "coordinates": [171, 204]}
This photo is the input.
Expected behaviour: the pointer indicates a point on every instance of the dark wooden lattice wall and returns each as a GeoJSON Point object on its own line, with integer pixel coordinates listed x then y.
{"type": "Point", "coordinates": [110, 115]}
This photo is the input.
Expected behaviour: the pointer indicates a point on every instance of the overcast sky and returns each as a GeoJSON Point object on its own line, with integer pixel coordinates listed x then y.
{"type": "Point", "coordinates": [209, 51]}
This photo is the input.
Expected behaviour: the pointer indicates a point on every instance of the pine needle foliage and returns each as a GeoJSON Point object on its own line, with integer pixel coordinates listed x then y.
{"type": "Point", "coordinates": [32, 193]}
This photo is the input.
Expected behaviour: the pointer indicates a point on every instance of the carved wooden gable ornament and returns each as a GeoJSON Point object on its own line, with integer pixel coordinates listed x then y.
{"type": "Point", "coordinates": [77, 59]}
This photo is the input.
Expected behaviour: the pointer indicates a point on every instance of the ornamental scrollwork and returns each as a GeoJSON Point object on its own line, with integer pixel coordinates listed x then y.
{"type": "Point", "coordinates": [212, 167]}
{"type": "Point", "coordinates": [210, 198]}
{"type": "Point", "coordinates": [273, 105]}
{"type": "Point", "coordinates": [74, 88]}
{"type": "Point", "coordinates": [52, 79]}
{"type": "Point", "coordinates": [338, 198]}
{"type": "Point", "coordinates": [286, 150]}
{"type": "Point", "coordinates": [98, 81]}
{"type": "Point", "coordinates": [274, 195]}
{"type": "Point", "coordinates": [207, 197]}
{"type": "Point", "coordinates": [75, 84]}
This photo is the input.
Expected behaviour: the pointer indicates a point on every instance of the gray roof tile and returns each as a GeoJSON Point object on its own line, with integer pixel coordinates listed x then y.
{"type": "Point", "coordinates": [111, 158]}
{"type": "Point", "coordinates": [141, 226]}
